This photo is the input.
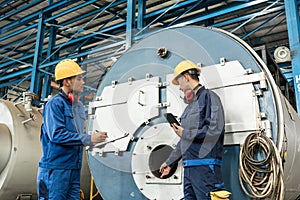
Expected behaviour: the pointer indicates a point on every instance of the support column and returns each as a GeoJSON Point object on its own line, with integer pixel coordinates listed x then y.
{"type": "Point", "coordinates": [35, 84]}
{"type": "Point", "coordinates": [293, 24]}
{"type": "Point", "coordinates": [47, 89]}
{"type": "Point", "coordinates": [141, 14]}
{"type": "Point", "coordinates": [131, 10]}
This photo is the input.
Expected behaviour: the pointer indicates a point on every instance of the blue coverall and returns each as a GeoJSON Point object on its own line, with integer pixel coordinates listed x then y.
{"type": "Point", "coordinates": [62, 140]}
{"type": "Point", "coordinates": [201, 146]}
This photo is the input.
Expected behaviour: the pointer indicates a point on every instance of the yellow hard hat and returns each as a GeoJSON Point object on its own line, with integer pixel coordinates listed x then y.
{"type": "Point", "coordinates": [67, 68]}
{"type": "Point", "coordinates": [182, 67]}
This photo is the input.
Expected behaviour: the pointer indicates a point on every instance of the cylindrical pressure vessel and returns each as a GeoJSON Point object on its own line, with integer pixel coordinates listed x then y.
{"type": "Point", "coordinates": [137, 91]}
{"type": "Point", "coordinates": [20, 150]}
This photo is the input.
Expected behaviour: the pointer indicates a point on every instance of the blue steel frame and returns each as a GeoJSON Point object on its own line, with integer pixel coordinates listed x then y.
{"type": "Point", "coordinates": [293, 23]}
{"type": "Point", "coordinates": [35, 83]}
{"type": "Point", "coordinates": [40, 63]}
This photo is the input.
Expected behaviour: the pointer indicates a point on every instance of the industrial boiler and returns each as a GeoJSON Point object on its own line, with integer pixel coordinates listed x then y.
{"type": "Point", "coordinates": [136, 92]}
{"type": "Point", "coordinates": [130, 104]}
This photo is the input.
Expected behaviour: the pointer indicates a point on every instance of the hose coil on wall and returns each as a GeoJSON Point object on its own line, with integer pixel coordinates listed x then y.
{"type": "Point", "coordinates": [261, 171]}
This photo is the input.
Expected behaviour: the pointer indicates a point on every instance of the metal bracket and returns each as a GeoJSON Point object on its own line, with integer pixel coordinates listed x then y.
{"type": "Point", "coordinates": [163, 105]}
{"type": "Point", "coordinates": [98, 98]}
{"type": "Point", "coordinates": [262, 115]}
{"type": "Point", "coordinates": [222, 61]}
{"type": "Point", "coordinates": [249, 71]}
{"type": "Point", "coordinates": [130, 80]}
{"type": "Point", "coordinates": [163, 84]}
{"type": "Point", "coordinates": [258, 93]}
{"type": "Point", "coordinates": [263, 84]}
{"type": "Point", "coordinates": [199, 64]}
{"type": "Point", "coordinates": [266, 125]}
{"type": "Point", "coordinates": [114, 83]}
{"type": "Point", "coordinates": [147, 122]}
{"type": "Point", "coordinates": [117, 152]}
{"type": "Point", "coordinates": [148, 76]}
{"type": "Point", "coordinates": [32, 118]}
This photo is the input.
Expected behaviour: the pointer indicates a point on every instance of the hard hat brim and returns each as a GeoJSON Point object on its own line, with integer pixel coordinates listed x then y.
{"type": "Point", "coordinates": [68, 76]}
{"type": "Point", "coordinates": [174, 81]}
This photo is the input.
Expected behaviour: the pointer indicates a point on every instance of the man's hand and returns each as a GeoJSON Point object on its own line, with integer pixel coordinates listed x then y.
{"type": "Point", "coordinates": [98, 137]}
{"type": "Point", "coordinates": [177, 129]}
{"type": "Point", "coordinates": [164, 170]}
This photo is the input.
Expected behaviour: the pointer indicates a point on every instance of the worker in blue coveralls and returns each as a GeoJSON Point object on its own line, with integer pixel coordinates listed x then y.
{"type": "Point", "coordinates": [62, 137]}
{"type": "Point", "coordinates": [201, 136]}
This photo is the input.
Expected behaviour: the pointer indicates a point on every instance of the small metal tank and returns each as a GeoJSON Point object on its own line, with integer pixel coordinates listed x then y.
{"type": "Point", "coordinates": [137, 91]}
{"type": "Point", "coordinates": [19, 149]}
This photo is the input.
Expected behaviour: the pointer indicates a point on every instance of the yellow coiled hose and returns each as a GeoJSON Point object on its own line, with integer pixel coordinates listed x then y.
{"type": "Point", "coordinates": [261, 171]}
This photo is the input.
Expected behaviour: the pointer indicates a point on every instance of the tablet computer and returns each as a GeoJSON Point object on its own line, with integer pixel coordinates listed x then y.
{"type": "Point", "coordinates": [171, 118]}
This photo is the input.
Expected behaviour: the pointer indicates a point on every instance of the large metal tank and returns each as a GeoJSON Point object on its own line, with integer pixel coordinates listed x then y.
{"type": "Point", "coordinates": [137, 91]}
{"type": "Point", "coordinates": [20, 150]}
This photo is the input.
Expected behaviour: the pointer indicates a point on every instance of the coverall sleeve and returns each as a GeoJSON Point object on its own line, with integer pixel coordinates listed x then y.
{"type": "Point", "coordinates": [60, 127]}
{"type": "Point", "coordinates": [175, 155]}
{"type": "Point", "coordinates": [206, 121]}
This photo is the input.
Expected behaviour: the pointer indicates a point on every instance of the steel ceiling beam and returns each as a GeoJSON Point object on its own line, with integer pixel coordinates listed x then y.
{"type": "Point", "coordinates": [5, 2]}
{"type": "Point", "coordinates": [262, 25]}
{"type": "Point", "coordinates": [12, 82]}
{"type": "Point", "coordinates": [30, 18]}
{"type": "Point", "coordinates": [248, 16]}
{"type": "Point", "coordinates": [16, 74]}
{"type": "Point", "coordinates": [29, 5]}
{"type": "Point", "coordinates": [86, 15]}
{"type": "Point", "coordinates": [226, 10]}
